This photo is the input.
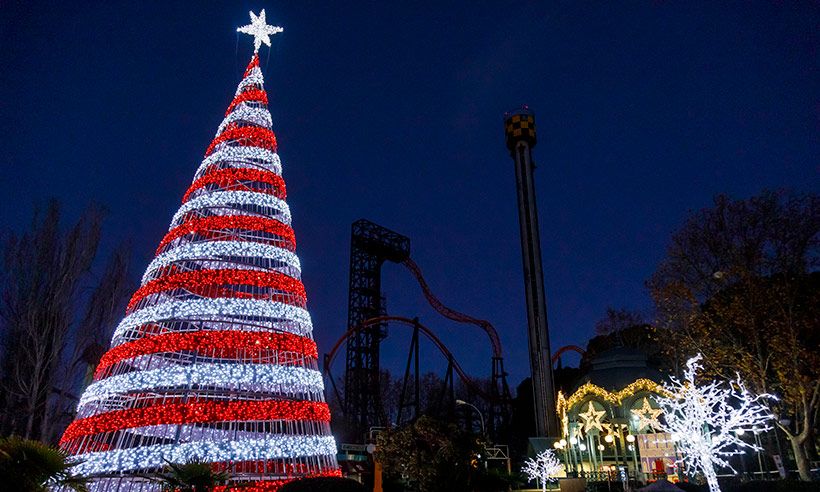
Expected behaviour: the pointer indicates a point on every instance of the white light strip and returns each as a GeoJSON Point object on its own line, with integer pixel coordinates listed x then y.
{"type": "Point", "coordinates": [147, 457]}
{"type": "Point", "coordinates": [233, 201]}
{"type": "Point", "coordinates": [216, 325]}
{"type": "Point", "coordinates": [266, 378]}
{"type": "Point", "coordinates": [201, 431]}
{"type": "Point", "coordinates": [207, 309]}
{"type": "Point", "coordinates": [242, 157]}
{"type": "Point", "coordinates": [254, 77]}
{"type": "Point", "coordinates": [219, 250]}
{"type": "Point", "coordinates": [243, 112]}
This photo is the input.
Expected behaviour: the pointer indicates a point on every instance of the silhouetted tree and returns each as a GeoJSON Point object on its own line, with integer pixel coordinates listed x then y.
{"type": "Point", "coordinates": [53, 326]}
{"type": "Point", "coordinates": [739, 284]}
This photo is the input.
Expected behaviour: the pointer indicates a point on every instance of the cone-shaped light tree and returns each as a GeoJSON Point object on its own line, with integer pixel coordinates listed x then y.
{"type": "Point", "coordinates": [215, 359]}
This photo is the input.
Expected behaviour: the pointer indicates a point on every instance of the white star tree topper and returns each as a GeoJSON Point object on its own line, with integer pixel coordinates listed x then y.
{"type": "Point", "coordinates": [260, 30]}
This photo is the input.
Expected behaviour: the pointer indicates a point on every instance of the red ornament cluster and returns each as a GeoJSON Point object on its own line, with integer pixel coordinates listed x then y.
{"type": "Point", "coordinates": [233, 177]}
{"type": "Point", "coordinates": [250, 136]}
{"type": "Point", "coordinates": [206, 225]}
{"type": "Point", "coordinates": [227, 344]}
{"type": "Point", "coordinates": [198, 412]}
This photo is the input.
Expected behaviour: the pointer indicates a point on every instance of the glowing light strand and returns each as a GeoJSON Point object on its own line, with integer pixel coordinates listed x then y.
{"type": "Point", "coordinates": [241, 157]}
{"type": "Point", "coordinates": [268, 378]}
{"type": "Point", "coordinates": [243, 112]}
{"type": "Point", "coordinates": [200, 309]}
{"type": "Point", "coordinates": [242, 223]}
{"type": "Point", "coordinates": [227, 342]}
{"type": "Point", "coordinates": [221, 250]}
{"type": "Point", "coordinates": [543, 468]}
{"type": "Point", "coordinates": [707, 419]}
{"type": "Point", "coordinates": [150, 457]}
{"type": "Point", "coordinates": [229, 177]}
{"type": "Point", "coordinates": [198, 412]}
{"type": "Point", "coordinates": [231, 203]}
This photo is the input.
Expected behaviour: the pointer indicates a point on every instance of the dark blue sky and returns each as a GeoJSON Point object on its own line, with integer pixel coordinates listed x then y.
{"type": "Point", "coordinates": [392, 111]}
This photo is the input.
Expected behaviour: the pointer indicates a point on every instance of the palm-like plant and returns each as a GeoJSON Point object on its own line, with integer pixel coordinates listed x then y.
{"type": "Point", "coordinates": [31, 466]}
{"type": "Point", "coordinates": [192, 476]}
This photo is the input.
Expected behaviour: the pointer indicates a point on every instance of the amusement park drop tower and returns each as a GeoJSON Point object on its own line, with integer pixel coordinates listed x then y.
{"type": "Point", "coordinates": [519, 128]}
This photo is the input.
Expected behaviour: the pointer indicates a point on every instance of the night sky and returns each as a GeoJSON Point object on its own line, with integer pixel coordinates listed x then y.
{"type": "Point", "coordinates": [392, 111]}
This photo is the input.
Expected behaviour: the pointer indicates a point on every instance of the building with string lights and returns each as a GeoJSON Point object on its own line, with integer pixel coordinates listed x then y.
{"type": "Point", "coordinates": [609, 421]}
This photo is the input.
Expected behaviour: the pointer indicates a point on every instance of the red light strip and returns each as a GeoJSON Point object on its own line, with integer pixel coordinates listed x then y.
{"type": "Point", "coordinates": [253, 63]}
{"type": "Point", "coordinates": [195, 281]}
{"type": "Point", "coordinates": [198, 412]}
{"type": "Point", "coordinates": [205, 224]}
{"type": "Point", "coordinates": [252, 136]}
{"type": "Point", "coordinates": [229, 343]}
{"type": "Point", "coordinates": [256, 95]}
{"type": "Point", "coordinates": [229, 176]}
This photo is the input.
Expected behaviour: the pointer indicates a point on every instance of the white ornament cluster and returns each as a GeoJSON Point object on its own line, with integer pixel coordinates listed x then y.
{"type": "Point", "coordinates": [148, 457]}
{"type": "Point", "coordinates": [707, 420]}
{"type": "Point", "coordinates": [544, 468]}
{"type": "Point", "coordinates": [267, 378]}
{"type": "Point", "coordinates": [231, 203]}
{"type": "Point", "coordinates": [222, 251]}
{"type": "Point", "coordinates": [282, 317]}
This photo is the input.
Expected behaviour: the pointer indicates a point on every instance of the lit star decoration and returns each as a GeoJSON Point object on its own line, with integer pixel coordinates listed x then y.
{"type": "Point", "coordinates": [707, 419]}
{"type": "Point", "coordinates": [260, 30]}
{"type": "Point", "coordinates": [592, 418]}
{"type": "Point", "coordinates": [647, 416]}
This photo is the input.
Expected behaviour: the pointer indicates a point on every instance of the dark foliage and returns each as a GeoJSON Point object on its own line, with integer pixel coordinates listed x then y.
{"type": "Point", "coordinates": [323, 484]}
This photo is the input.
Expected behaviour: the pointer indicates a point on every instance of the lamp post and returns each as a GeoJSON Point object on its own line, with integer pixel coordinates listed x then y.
{"type": "Point", "coordinates": [630, 438]}
{"type": "Point", "coordinates": [462, 402]}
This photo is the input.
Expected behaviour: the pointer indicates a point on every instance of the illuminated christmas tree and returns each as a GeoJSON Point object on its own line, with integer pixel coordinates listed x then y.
{"type": "Point", "coordinates": [215, 359]}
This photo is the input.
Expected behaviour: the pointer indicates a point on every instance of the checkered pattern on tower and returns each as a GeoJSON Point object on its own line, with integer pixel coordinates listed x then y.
{"type": "Point", "coordinates": [215, 358]}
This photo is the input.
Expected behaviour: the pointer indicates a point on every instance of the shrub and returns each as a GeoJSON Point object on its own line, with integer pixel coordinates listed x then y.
{"type": "Point", "coordinates": [323, 484]}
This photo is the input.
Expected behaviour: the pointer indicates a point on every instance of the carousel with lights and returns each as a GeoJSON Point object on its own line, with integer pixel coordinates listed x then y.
{"type": "Point", "coordinates": [214, 360]}
{"type": "Point", "coordinates": [610, 421]}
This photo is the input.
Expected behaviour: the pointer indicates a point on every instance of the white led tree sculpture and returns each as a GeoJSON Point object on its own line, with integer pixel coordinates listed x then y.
{"type": "Point", "coordinates": [706, 420]}
{"type": "Point", "coordinates": [215, 358]}
{"type": "Point", "coordinates": [543, 468]}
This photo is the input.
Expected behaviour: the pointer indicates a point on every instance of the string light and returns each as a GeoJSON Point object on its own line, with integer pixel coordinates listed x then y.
{"type": "Point", "coordinates": [704, 420]}
{"type": "Point", "coordinates": [228, 176]}
{"type": "Point", "coordinates": [206, 225]}
{"type": "Point", "coordinates": [223, 251]}
{"type": "Point", "coordinates": [204, 309]}
{"type": "Point", "coordinates": [226, 343]}
{"type": "Point", "coordinates": [214, 358]}
{"type": "Point", "coordinates": [198, 280]}
{"type": "Point", "coordinates": [253, 76]}
{"type": "Point", "coordinates": [543, 468]}
{"type": "Point", "coordinates": [155, 456]}
{"type": "Point", "coordinates": [198, 412]}
{"type": "Point", "coordinates": [242, 157]}
{"type": "Point", "coordinates": [243, 112]}
{"type": "Point", "coordinates": [226, 202]}
{"type": "Point", "coordinates": [269, 378]}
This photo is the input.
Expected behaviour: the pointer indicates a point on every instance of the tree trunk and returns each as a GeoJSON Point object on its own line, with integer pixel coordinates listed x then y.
{"type": "Point", "coordinates": [800, 458]}
{"type": "Point", "coordinates": [709, 473]}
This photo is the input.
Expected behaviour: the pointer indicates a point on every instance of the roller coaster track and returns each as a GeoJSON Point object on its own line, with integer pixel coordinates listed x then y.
{"type": "Point", "coordinates": [452, 314]}
{"type": "Point", "coordinates": [466, 379]}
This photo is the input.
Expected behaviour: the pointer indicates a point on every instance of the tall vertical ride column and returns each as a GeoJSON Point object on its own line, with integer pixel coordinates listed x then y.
{"type": "Point", "coordinates": [519, 127]}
